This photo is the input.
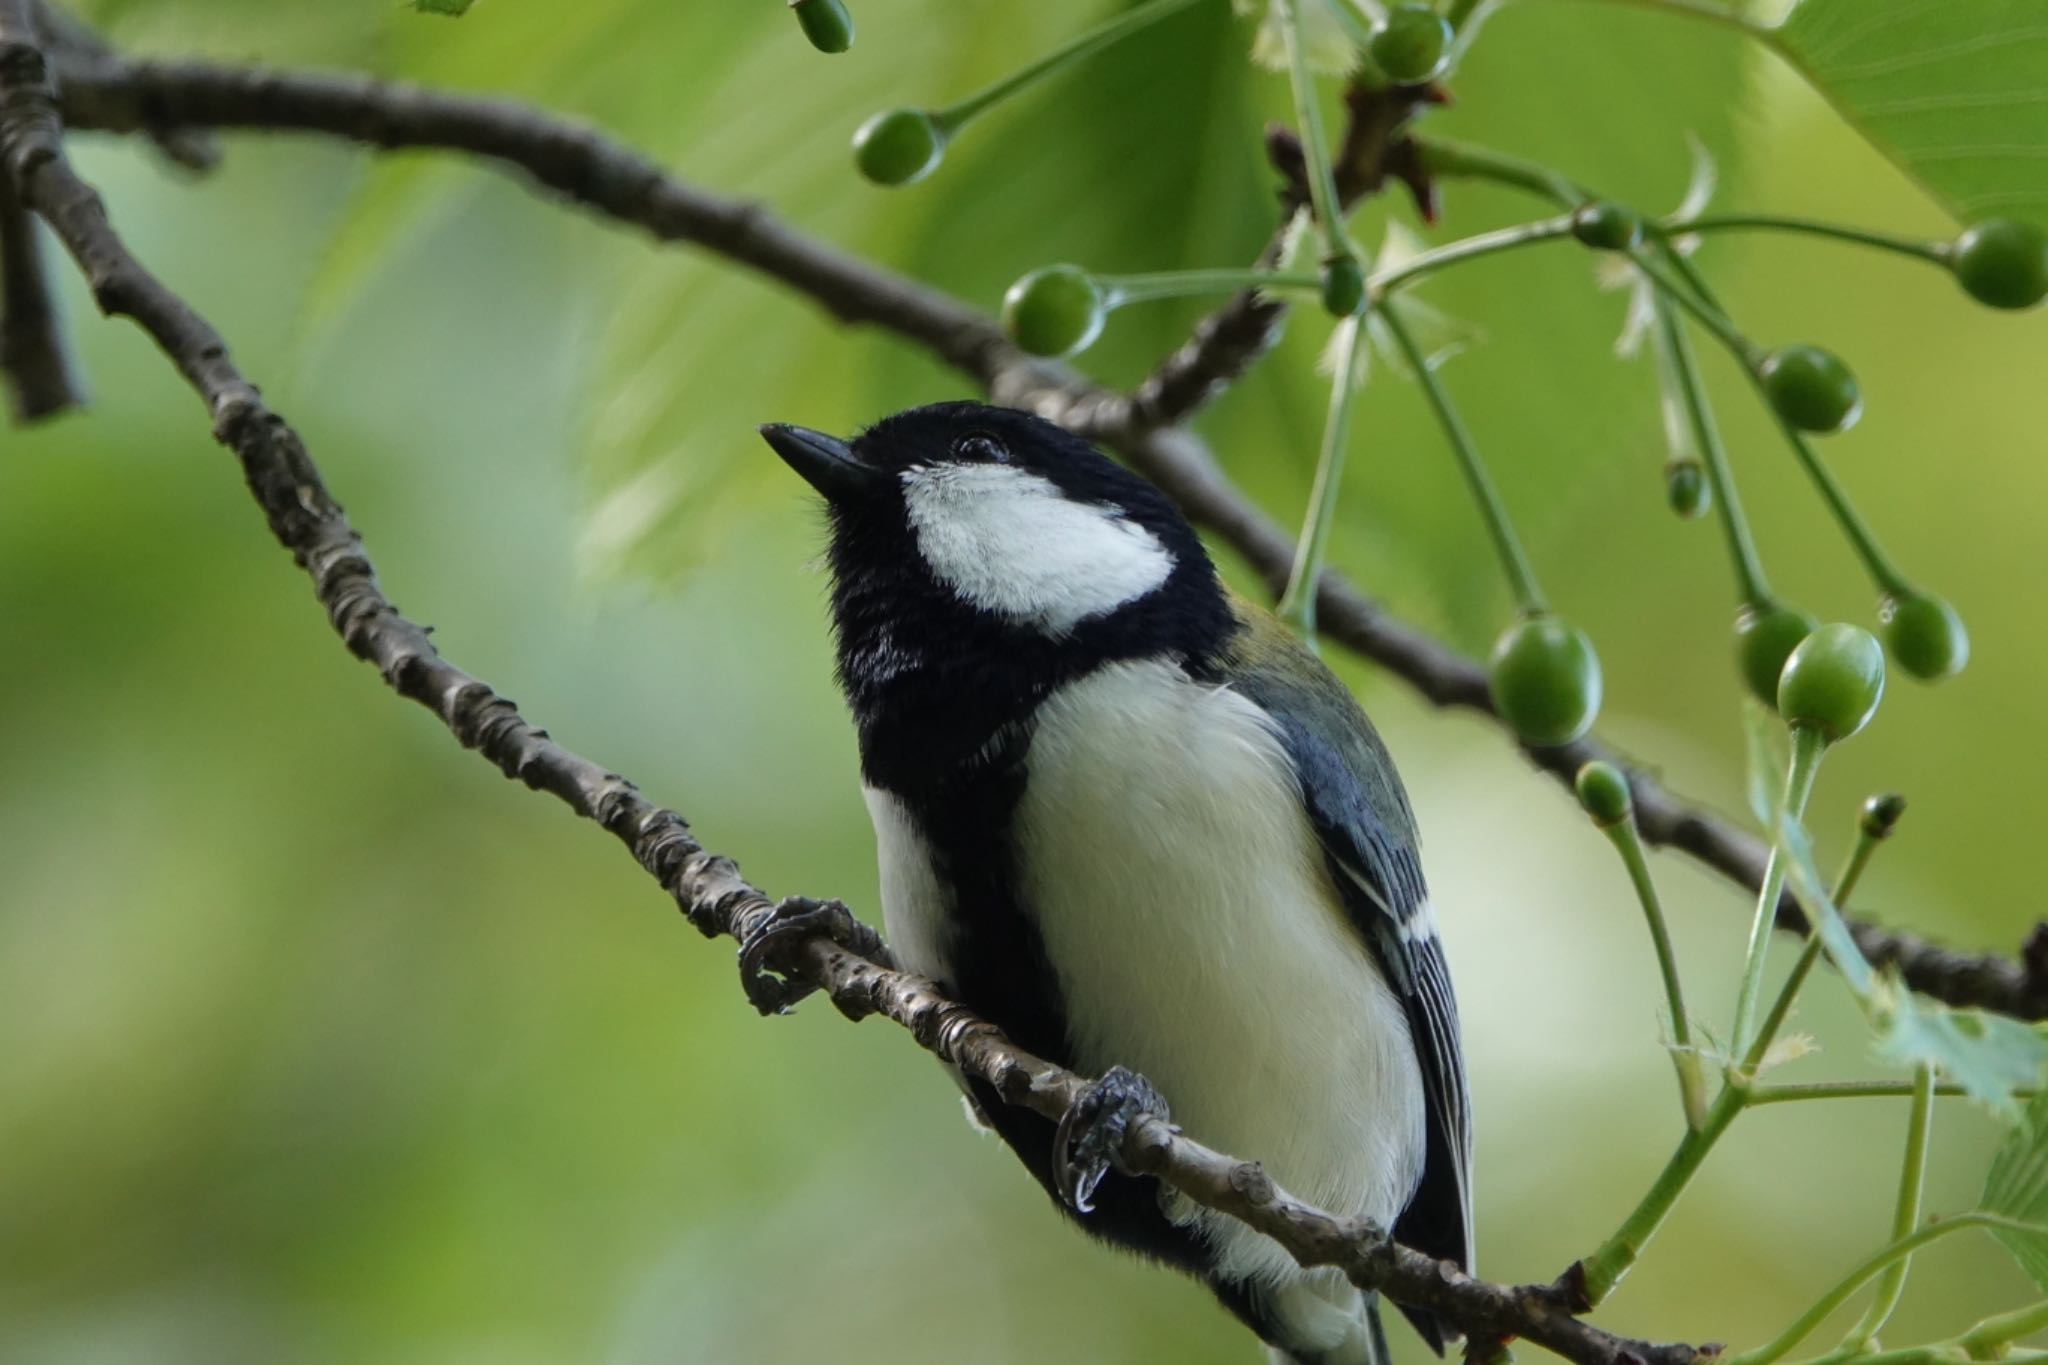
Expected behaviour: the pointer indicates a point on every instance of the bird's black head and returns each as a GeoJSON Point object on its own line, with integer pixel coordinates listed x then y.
{"type": "Point", "coordinates": [982, 548]}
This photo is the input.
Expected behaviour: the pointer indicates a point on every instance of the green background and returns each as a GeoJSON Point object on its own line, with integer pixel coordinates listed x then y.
{"type": "Point", "coordinates": [321, 1042]}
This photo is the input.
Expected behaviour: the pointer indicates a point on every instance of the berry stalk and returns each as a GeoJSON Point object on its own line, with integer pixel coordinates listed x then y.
{"type": "Point", "coordinates": [956, 115]}
{"type": "Point", "coordinates": [1676, 353]}
{"type": "Point", "coordinates": [1891, 1286]}
{"type": "Point", "coordinates": [1298, 603]}
{"type": "Point", "coordinates": [1521, 577]}
{"type": "Point", "coordinates": [1324, 202]}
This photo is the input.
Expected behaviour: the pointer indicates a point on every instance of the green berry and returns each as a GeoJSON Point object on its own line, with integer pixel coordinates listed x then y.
{"type": "Point", "coordinates": [1686, 489]}
{"type": "Point", "coordinates": [1607, 227]}
{"type": "Point", "coordinates": [825, 22]}
{"type": "Point", "coordinates": [2002, 262]}
{"type": "Point", "coordinates": [1546, 680]}
{"type": "Point", "coordinates": [1811, 389]}
{"type": "Point", "coordinates": [1881, 814]}
{"type": "Point", "coordinates": [1343, 286]}
{"type": "Point", "coordinates": [1055, 310]}
{"type": "Point", "coordinates": [1926, 636]}
{"type": "Point", "coordinates": [898, 147]}
{"type": "Point", "coordinates": [1833, 681]}
{"type": "Point", "coordinates": [1411, 45]}
{"type": "Point", "coordinates": [1603, 792]}
{"type": "Point", "coordinates": [1766, 633]}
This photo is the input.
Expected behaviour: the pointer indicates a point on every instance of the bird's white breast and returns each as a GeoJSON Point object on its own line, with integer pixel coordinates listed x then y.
{"type": "Point", "coordinates": [1184, 902]}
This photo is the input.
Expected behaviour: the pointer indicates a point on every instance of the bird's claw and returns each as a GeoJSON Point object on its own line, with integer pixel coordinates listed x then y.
{"type": "Point", "coordinates": [1091, 1134]}
{"type": "Point", "coordinates": [770, 987]}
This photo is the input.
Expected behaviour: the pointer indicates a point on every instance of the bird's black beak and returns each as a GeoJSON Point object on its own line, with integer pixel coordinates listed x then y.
{"type": "Point", "coordinates": [827, 463]}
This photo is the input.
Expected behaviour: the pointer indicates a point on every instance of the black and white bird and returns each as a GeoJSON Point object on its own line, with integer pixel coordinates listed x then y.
{"type": "Point", "coordinates": [1125, 815]}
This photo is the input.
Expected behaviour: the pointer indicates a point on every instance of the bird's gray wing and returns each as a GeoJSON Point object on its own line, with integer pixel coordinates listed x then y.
{"type": "Point", "coordinates": [1354, 801]}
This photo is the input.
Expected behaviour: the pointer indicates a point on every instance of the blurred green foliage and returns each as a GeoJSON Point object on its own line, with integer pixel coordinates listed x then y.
{"type": "Point", "coordinates": [323, 1043]}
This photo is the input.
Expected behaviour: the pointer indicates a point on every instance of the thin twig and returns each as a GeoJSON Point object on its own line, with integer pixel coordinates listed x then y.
{"type": "Point", "coordinates": [74, 43]}
{"type": "Point", "coordinates": [1231, 339]}
{"type": "Point", "coordinates": [606, 176]}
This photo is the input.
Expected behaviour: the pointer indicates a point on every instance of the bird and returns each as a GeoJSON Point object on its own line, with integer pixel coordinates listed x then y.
{"type": "Point", "coordinates": [1127, 816]}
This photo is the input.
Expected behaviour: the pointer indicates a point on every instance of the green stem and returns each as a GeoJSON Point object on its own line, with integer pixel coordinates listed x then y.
{"type": "Point", "coordinates": [1891, 1286]}
{"type": "Point", "coordinates": [1118, 290]}
{"type": "Point", "coordinates": [1459, 13]}
{"type": "Point", "coordinates": [1845, 882]}
{"type": "Point", "coordinates": [1440, 157]}
{"type": "Point", "coordinates": [1465, 249]}
{"type": "Point", "coordinates": [1685, 269]}
{"type": "Point", "coordinates": [1604, 1269]}
{"type": "Point", "coordinates": [1855, 1090]}
{"type": "Point", "coordinates": [1807, 746]}
{"type": "Point", "coordinates": [1298, 602]}
{"type": "Point", "coordinates": [1920, 249]}
{"type": "Point", "coordinates": [1859, 859]}
{"type": "Point", "coordinates": [1875, 561]}
{"type": "Point", "coordinates": [1709, 313]}
{"type": "Point", "coordinates": [1934, 1353]}
{"type": "Point", "coordinates": [1521, 578]}
{"type": "Point", "coordinates": [1482, 163]}
{"type": "Point", "coordinates": [1673, 346]}
{"type": "Point", "coordinates": [954, 116]}
{"type": "Point", "coordinates": [1767, 1032]}
{"type": "Point", "coordinates": [1691, 1089]}
{"type": "Point", "coordinates": [1165, 284]}
{"type": "Point", "coordinates": [1870, 1269]}
{"type": "Point", "coordinates": [1983, 1340]}
{"type": "Point", "coordinates": [1315, 150]}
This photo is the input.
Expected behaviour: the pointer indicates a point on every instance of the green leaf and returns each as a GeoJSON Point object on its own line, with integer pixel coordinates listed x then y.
{"type": "Point", "coordinates": [1331, 33]}
{"type": "Point", "coordinates": [1949, 89]}
{"type": "Point", "coordinates": [1988, 1055]}
{"type": "Point", "coordinates": [1812, 893]}
{"type": "Point", "coordinates": [449, 7]}
{"type": "Point", "coordinates": [2018, 1188]}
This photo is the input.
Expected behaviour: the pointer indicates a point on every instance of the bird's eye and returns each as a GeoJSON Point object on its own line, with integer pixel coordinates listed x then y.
{"type": "Point", "coordinates": [982, 448]}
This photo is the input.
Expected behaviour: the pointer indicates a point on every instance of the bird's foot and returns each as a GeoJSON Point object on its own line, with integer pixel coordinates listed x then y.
{"type": "Point", "coordinates": [1090, 1138]}
{"type": "Point", "coordinates": [764, 966]}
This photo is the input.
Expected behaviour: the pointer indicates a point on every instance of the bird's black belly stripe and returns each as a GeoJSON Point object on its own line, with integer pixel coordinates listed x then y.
{"type": "Point", "coordinates": [997, 965]}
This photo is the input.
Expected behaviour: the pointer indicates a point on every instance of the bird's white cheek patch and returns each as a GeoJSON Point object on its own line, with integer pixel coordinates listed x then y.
{"type": "Point", "coordinates": [1010, 542]}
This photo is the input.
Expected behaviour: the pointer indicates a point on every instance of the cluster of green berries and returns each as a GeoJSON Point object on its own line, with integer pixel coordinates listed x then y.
{"type": "Point", "coordinates": [1544, 673]}
{"type": "Point", "coordinates": [1545, 676]}
{"type": "Point", "coordinates": [1924, 634]}
{"type": "Point", "coordinates": [1831, 683]}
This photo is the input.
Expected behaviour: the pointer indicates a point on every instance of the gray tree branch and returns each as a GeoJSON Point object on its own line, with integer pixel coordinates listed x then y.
{"type": "Point", "coordinates": [40, 380]}
{"type": "Point", "coordinates": [708, 889]}
{"type": "Point", "coordinates": [603, 175]}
